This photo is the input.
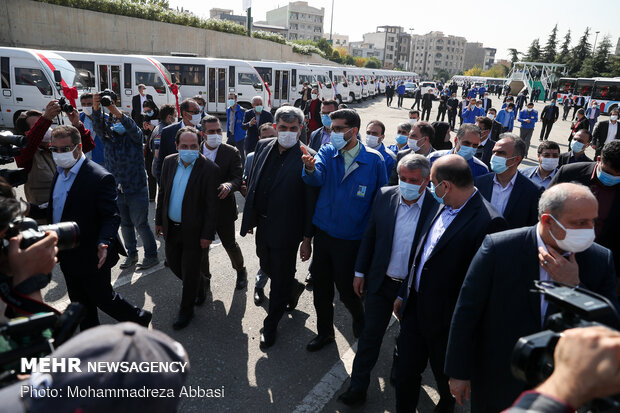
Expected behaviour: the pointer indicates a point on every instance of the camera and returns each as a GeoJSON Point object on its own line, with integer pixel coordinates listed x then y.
{"type": "Point", "coordinates": [107, 97]}
{"type": "Point", "coordinates": [10, 146]}
{"type": "Point", "coordinates": [68, 233]}
{"type": "Point", "coordinates": [532, 356]}
{"type": "Point", "coordinates": [65, 106]}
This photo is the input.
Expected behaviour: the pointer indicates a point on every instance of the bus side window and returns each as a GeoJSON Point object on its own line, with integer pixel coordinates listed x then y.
{"type": "Point", "coordinates": [6, 73]}
{"type": "Point", "coordinates": [33, 77]}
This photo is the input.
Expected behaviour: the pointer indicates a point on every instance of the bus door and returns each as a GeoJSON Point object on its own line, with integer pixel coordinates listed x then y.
{"type": "Point", "coordinates": [280, 86]}
{"type": "Point", "coordinates": [216, 90]}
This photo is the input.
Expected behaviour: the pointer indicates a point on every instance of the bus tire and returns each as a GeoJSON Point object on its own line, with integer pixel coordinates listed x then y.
{"type": "Point", "coordinates": [352, 96]}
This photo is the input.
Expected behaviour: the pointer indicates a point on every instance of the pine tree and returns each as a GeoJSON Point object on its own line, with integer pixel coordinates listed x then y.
{"type": "Point", "coordinates": [514, 55]}
{"type": "Point", "coordinates": [600, 60]}
{"type": "Point", "coordinates": [549, 52]}
{"type": "Point", "coordinates": [580, 53]}
{"type": "Point", "coordinates": [533, 53]}
{"type": "Point", "coordinates": [563, 55]}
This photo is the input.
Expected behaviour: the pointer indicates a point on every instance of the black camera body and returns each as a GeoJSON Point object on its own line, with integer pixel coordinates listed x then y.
{"type": "Point", "coordinates": [11, 146]}
{"type": "Point", "coordinates": [107, 97]}
{"type": "Point", "coordinates": [65, 106]}
{"type": "Point", "coordinates": [68, 233]}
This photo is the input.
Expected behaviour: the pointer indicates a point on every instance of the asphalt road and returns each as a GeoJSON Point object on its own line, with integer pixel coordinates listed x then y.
{"type": "Point", "coordinates": [223, 338]}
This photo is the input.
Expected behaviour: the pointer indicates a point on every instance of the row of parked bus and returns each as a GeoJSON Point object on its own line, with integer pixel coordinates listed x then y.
{"type": "Point", "coordinates": [604, 90]}
{"type": "Point", "coordinates": [31, 78]}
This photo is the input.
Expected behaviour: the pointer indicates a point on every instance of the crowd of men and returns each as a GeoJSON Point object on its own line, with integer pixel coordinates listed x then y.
{"type": "Point", "coordinates": [448, 236]}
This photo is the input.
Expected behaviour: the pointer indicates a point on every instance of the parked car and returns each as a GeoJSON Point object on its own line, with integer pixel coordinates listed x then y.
{"type": "Point", "coordinates": [432, 86]}
{"type": "Point", "coordinates": [410, 89]}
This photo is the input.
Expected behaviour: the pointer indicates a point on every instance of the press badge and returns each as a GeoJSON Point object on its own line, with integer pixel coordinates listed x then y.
{"type": "Point", "coordinates": [361, 191]}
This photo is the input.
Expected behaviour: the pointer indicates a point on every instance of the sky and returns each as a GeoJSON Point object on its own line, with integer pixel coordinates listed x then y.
{"type": "Point", "coordinates": [499, 24]}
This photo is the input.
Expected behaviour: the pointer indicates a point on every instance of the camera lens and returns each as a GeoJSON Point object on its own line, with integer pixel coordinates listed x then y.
{"type": "Point", "coordinates": [68, 234]}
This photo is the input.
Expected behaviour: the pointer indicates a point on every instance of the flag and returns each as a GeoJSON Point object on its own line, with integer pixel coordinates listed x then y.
{"type": "Point", "coordinates": [246, 4]}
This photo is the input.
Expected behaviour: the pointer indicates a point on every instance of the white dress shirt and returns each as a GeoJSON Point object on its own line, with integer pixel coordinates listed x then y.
{"type": "Point", "coordinates": [142, 100]}
{"type": "Point", "coordinates": [611, 132]}
{"type": "Point", "coordinates": [501, 194]}
{"type": "Point", "coordinates": [404, 230]}
{"type": "Point", "coordinates": [210, 154]}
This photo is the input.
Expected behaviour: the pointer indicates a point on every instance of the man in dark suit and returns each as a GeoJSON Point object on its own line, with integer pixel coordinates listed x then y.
{"type": "Point", "coordinates": [228, 159]}
{"type": "Point", "coordinates": [453, 105]}
{"type": "Point", "coordinates": [190, 116]}
{"type": "Point", "coordinates": [496, 305]}
{"type": "Point", "coordinates": [84, 192]}
{"type": "Point", "coordinates": [580, 102]}
{"type": "Point", "coordinates": [419, 141]}
{"type": "Point", "coordinates": [400, 215]}
{"type": "Point", "coordinates": [548, 116]}
{"type": "Point", "coordinates": [186, 216]}
{"type": "Point", "coordinates": [511, 194]}
{"type": "Point", "coordinates": [427, 104]}
{"type": "Point", "coordinates": [484, 151]}
{"type": "Point", "coordinates": [252, 120]}
{"type": "Point", "coordinates": [605, 132]}
{"type": "Point", "coordinates": [428, 296]}
{"type": "Point", "coordinates": [137, 102]}
{"type": "Point", "coordinates": [321, 136]}
{"type": "Point", "coordinates": [578, 146]}
{"type": "Point", "coordinates": [280, 205]}
{"type": "Point", "coordinates": [497, 127]}
{"type": "Point", "coordinates": [581, 123]}
{"type": "Point", "coordinates": [603, 178]}
{"type": "Point", "coordinates": [487, 103]}
{"type": "Point", "coordinates": [418, 97]}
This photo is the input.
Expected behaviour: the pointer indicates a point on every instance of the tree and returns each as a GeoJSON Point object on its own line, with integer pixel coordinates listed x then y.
{"type": "Point", "coordinates": [336, 57]}
{"type": "Point", "coordinates": [496, 71]}
{"type": "Point", "coordinates": [514, 55]}
{"type": "Point", "coordinates": [614, 67]}
{"type": "Point", "coordinates": [474, 71]}
{"type": "Point", "coordinates": [443, 74]}
{"type": "Point", "coordinates": [564, 54]}
{"type": "Point", "coordinates": [343, 51]}
{"type": "Point", "coordinates": [533, 53]}
{"type": "Point", "coordinates": [373, 63]}
{"type": "Point", "coordinates": [324, 45]}
{"type": "Point", "coordinates": [349, 60]}
{"type": "Point", "coordinates": [579, 53]}
{"type": "Point", "coordinates": [599, 63]}
{"type": "Point", "coordinates": [359, 61]}
{"type": "Point", "coordinates": [549, 53]}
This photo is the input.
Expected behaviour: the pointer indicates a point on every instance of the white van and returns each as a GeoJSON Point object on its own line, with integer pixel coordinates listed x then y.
{"type": "Point", "coordinates": [342, 89]}
{"type": "Point", "coordinates": [122, 74]}
{"type": "Point", "coordinates": [214, 79]}
{"type": "Point", "coordinates": [28, 81]}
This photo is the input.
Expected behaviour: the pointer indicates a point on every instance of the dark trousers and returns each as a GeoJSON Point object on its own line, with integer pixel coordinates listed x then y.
{"type": "Point", "coordinates": [226, 232]}
{"type": "Point", "coordinates": [377, 312]}
{"type": "Point", "coordinates": [415, 351]}
{"type": "Point", "coordinates": [184, 261]}
{"type": "Point", "coordinates": [416, 103]}
{"type": "Point", "coordinates": [279, 263]}
{"type": "Point", "coordinates": [333, 263]}
{"type": "Point", "coordinates": [566, 112]}
{"type": "Point", "coordinates": [239, 145]}
{"type": "Point", "coordinates": [91, 287]}
{"type": "Point", "coordinates": [152, 182]}
{"type": "Point", "coordinates": [452, 118]}
{"type": "Point", "coordinates": [400, 100]}
{"type": "Point", "coordinates": [546, 129]}
{"type": "Point", "coordinates": [575, 109]}
{"type": "Point", "coordinates": [441, 112]}
{"type": "Point", "coordinates": [389, 99]}
{"type": "Point", "coordinates": [426, 111]}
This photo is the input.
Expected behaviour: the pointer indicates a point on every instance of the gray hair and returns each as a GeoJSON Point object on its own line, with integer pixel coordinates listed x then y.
{"type": "Point", "coordinates": [467, 128]}
{"type": "Point", "coordinates": [255, 98]}
{"type": "Point", "coordinates": [517, 141]}
{"type": "Point", "coordinates": [289, 114]}
{"type": "Point", "coordinates": [414, 161]}
{"type": "Point", "coordinates": [404, 126]}
{"type": "Point", "coordinates": [552, 201]}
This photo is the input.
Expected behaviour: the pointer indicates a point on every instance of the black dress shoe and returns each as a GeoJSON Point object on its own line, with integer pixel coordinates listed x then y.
{"type": "Point", "coordinates": [358, 326]}
{"type": "Point", "coordinates": [182, 321]}
{"type": "Point", "coordinates": [259, 296]}
{"type": "Point", "coordinates": [319, 342]}
{"type": "Point", "coordinates": [242, 279]}
{"type": "Point", "coordinates": [201, 296]}
{"type": "Point", "coordinates": [267, 340]}
{"type": "Point", "coordinates": [353, 397]}
{"type": "Point", "coordinates": [445, 405]}
{"type": "Point", "coordinates": [298, 289]}
{"type": "Point", "coordinates": [144, 318]}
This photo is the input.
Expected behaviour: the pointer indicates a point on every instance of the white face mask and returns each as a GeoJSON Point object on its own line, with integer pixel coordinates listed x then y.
{"type": "Point", "coordinates": [549, 164]}
{"type": "Point", "coordinates": [413, 121]}
{"type": "Point", "coordinates": [65, 160]}
{"type": "Point", "coordinates": [88, 110]}
{"type": "Point", "coordinates": [413, 144]}
{"type": "Point", "coordinates": [287, 139]}
{"type": "Point", "coordinates": [214, 140]}
{"type": "Point", "coordinates": [490, 116]}
{"type": "Point", "coordinates": [315, 96]}
{"type": "Point", "coordinates": [613, 117]}
{"type": "Point", "coordinates": [195, 119]}
{"type": "Point", "coordinates": [372, 141]}
{"type": "Point", "coordinates": [576, 240]}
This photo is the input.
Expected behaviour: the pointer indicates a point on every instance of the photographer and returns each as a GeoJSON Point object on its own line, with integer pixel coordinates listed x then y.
{"type": "Point", "coordinates": [124, 158]}
{"type": "Point", "coordinates": [151, 121]}
{"type": "Point", "coordinates": [36, 158]}
{"type": "Point", "coordinates": [587, 366]}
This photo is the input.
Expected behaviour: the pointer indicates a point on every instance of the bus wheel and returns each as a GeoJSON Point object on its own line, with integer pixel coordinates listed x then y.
{"type": "Point", "coordinates": [352, 96]}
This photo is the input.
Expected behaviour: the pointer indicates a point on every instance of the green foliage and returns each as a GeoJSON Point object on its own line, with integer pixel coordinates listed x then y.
{"type": "Point", "coordinates": [474, 71]}
{"type": "Point", "coordinates": [533, 53]}
{"type": "Point", "coordinates": [514, 55]}
{"type": "Point", "coordinates": [614, 67]}
{"type": "Point", "coordinates": [336, 57]}
{"type": "Point", "coordinates": [373, 63]}
{"type": "Point", "coordinates": [443, 74]}
{"type": "Point", "coordinates": [599, 62]}
{"type": "Point", "coordinates": [349, 60]}
{"type": "Point", "coordinates": [272, 37]}
{"type": "Point", "coordinates": [306, 49]}
{"type": "Point", "coordinates": [496, 71]}
{"type": "Point", "coordinates": [563, 55]}
{"type": "Point", "coordinates": [579, 53]}
{"type": "Point", "coordinates": [549, 52]}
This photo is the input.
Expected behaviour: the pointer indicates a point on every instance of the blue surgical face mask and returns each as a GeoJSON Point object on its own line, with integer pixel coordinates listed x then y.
{"type": "Point", "coordinates": [258, 108]}
{"type": "Point", "coordinates": [498, 164]}
{"type": "Point", "coordinates": [201, 108]}
{"type": "Point", "coordinates": [231, 103]}
{"type": "Point", "coordinates": [409, 191]}
{"type": "Point", "coordinates": [149, 113]}
{"type": "Point", "coordinates": [577, 146]}
{"type": "Point", "coordinates": [401, 139]}
{"type": "Point", "coordinates": [119, 128]}
{"type": "Point", "coordinates": [337, 139]}
{"type": "Point", "coordinates": [467, 152]}
{"type": "Point", "coordinates": [188, 155]}
{"type": "Point", "coordinates": [552, 103]}
{"type": "Point", "coordinates": [326, 120]}
{"type": "Point", "coordinates": [433, 189]}
{"type": "Point", "coordinates": [606, 178]}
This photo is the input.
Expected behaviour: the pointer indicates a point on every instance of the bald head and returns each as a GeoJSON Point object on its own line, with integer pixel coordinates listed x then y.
{"type": "Point", "coordinates": [564, 197]}
{"type": "Point", "coordinates": [455, 169]}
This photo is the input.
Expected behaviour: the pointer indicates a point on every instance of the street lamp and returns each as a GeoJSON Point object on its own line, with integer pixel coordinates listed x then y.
{"type": "Point", "coordinates": [595, 39]}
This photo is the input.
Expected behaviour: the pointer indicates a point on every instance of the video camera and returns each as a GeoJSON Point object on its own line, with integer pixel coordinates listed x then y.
{"type": "Point", "coordinates": [107, 97]}
{"type": "Point", "coordinates": [10, 146]}
{"type": "Point", "coordinates": [532, 356]}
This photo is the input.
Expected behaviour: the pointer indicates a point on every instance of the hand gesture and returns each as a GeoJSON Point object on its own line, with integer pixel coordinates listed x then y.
{"type": "Point", "coordinates": [398, 303]}
{"type": "Point", "coordinates": [307, 159]}
{"type": "Point", "coordinates": [559, 268]}
{"type": "Point", "coordinates": [358, 286]}
{"type": "Point", "coordinates": [224, 191]}
{"type": "Point", "coordinates": [159, 231]}
{"type": "Point", "coordinates": [460, 389]}
{"type": "Point", "coordinates": [253, 122]}
{"type": "Point", "coordinates": [243, 189]}
{"type": "Point", "coordinates": [52, 110]}
{"type": "Point", "coordinates": [96, 101]}
{"type": "Point", "coordinates": [74, 118]}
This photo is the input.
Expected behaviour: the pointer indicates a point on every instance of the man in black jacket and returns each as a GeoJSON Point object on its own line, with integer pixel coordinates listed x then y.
{"type": "Point", "coordinates": [485, 149]}
{"type": "Point", "coordinates": [548, 116]}
{"type": "Point", "coordinates": [228, 159]}
{"type": "Point", "coordinates": [453, 106]}
{"type": "Point", "coordinates": [280, 205]}
{"type": "Point", "coordinates": [578, 146]}
{"type": "Point", "coordinates": [605, 132]}
{"type": "Point", "coordinates": [418, 97]}
{"type": "Point", "coordinates": [427, 104]}
{"type": "Point", "coordinates": [400, 215]}
{"type": "Point", "coordinates": [496, 305]}
{"type": "Point", "coordinates": [87, 268]}
{"type": "Point", "coordinates": [252, 120]}
{"type": "Point", "coordinates": [321, 136]}
{"type": "Point", "coordinates": [137, 102]}
{"type": "Point", "coordinates": [428, 296]}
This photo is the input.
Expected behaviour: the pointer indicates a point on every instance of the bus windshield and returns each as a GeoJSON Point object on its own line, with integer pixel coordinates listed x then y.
{"type": "Point", "coordinates": [66, 69]}
{"type": "Point", "coordinates": [164, 71]}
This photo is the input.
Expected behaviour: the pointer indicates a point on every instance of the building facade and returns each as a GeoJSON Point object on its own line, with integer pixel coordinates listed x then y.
{"type": "Point", "coordinates": [366, 50]}
{"type": "Point", "coordinates": [395, 44]}
{"type": "Point", "coordinates": [224, 14]}
{"type": "Point", "coordinates": [435, 51]}
{"type": "Point", "coordinates": [302, 21]}
{"type": "Point", "coordinates": [478, 55]}
{"type": "Point", "coordinates": [338, 40]}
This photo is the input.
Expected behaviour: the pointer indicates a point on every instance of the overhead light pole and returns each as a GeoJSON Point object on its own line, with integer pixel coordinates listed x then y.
{"type": "Point", "coordinates": [595, 39]}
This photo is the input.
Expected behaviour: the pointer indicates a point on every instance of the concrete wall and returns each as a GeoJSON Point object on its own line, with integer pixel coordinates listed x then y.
{"type": "Point", "coordinates": [25, 23]}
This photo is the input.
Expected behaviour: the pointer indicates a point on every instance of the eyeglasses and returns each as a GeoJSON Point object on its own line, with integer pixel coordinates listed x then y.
{"type": "Point", "coordinates": [62, 149]}
{"type": "Point", "coordinates": [339, 129]}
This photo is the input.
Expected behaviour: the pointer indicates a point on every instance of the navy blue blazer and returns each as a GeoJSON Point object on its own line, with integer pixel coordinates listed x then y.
{"type": "Point", "coordinates": [522, 207]}
{"type": "Point", "coordinates": [316, 138]}
{"type": "Point", "coordinates": [167, 146]}
{"type": "Point", "coordinates": [373, 257]}
{"type": "Point", "coordinates": [496, 307]}
{"type": "Point", "coordinates": [251, 136]}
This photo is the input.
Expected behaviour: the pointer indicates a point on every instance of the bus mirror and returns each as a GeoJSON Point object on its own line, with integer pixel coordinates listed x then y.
{"type": "Point", "coordinates": [57, 76]}
{"type": "Point", "coordinates": [258, 86]}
